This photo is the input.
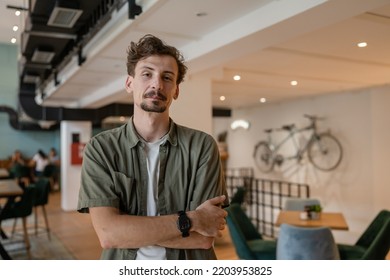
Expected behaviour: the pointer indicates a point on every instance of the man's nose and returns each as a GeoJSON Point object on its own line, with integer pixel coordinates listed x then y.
{"type": "Point", "coordinates": [157, 83]}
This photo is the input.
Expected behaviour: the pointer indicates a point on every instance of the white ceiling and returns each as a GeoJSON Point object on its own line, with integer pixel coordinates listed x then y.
{"type": "Point", "coordinates": [268, 42]}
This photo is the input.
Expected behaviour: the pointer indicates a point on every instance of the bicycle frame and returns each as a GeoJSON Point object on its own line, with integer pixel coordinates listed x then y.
{"type": "Point", "coordinates": [299, 151]}
{"type": "Point", "coordinates": [323, 150]}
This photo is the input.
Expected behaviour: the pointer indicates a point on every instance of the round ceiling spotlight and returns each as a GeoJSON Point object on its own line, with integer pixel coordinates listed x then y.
{"type": "Point", "coordinates": [362, 44]}
{"type": "Point", "coordinates": [201, 14]}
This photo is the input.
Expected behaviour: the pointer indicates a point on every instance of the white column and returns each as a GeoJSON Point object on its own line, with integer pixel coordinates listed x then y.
{"type": "Point", "coordinates": [70, 174]}
{"type": "Point", "coordinates": [193, 108]}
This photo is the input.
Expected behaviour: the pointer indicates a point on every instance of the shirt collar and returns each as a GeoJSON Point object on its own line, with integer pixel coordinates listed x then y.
{"type": "Point", "coordinates": [134, 139]}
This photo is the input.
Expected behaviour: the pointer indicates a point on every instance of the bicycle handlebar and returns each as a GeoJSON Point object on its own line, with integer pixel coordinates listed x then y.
{"type": "Point", "coordinates": [292, 127]}
{"type": "Point", "coordinates": [313, 118]}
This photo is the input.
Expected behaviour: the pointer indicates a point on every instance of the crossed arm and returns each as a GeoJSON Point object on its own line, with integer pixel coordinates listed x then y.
{"type": "Point", "coordinates": [127, 231]}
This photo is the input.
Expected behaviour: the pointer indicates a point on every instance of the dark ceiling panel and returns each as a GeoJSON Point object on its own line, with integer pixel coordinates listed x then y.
{"type": "Point", "coordinates": [63, 42]}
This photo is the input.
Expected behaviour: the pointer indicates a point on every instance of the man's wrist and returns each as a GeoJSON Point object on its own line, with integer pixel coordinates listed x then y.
{"type": "Point", "coordinates": [183, 223]}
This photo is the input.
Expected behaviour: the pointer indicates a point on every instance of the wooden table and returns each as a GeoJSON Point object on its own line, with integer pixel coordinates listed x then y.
{"type": "Point", "coordinates": [8, 189]}
{"type": "Point", "coordinates": [4, 173]}
{"type": "Point", "coordinates": [327, 219]}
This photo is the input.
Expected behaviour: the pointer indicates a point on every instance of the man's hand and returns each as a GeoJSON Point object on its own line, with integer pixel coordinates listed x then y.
{"type": "Point", "coordinates": [209, 218]}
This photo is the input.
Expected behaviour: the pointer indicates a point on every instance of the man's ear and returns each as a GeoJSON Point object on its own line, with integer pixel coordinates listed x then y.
{"type": "Point", "coordinates": [176, 95]}
{"type": "Point", "coordinates": [128, 84]}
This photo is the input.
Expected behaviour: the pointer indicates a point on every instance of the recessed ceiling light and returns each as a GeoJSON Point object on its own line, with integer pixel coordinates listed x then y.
{"type": "Point", "coordinates": [263, 100]}
{"type": "Point", "coordinates": [17, 13]}
{"type": "Point", "coordinates": [237, 77]}
{"type": "Point", "coordinates": [201, 14]}
{"type": "Point", "coordinates": [13, 40]}
{"type": "Point", "coordinates": [15, 28]}
{"type": "Point", "coordinates": [222, 98]}
{"type": "Point", "coordinates": [362, 44]}
{"type": "Point", "coordinates": [294, 83]}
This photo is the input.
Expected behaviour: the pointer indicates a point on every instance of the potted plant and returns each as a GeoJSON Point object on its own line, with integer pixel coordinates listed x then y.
{"type": "Point", "coordinates": [313, 211]}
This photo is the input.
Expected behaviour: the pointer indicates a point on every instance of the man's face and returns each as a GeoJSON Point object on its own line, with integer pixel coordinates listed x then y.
{"type": "Point", "coordinates": [154, 83]}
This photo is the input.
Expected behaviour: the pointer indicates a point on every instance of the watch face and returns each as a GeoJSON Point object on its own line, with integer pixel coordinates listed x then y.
{"type": "Point", "coordinates": [184, 224]}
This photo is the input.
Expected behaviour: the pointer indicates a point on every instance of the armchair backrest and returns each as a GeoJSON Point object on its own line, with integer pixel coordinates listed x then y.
{"type": "Point", "coordinates": [241, 230]}
{"type": "Point", "coordinates": [42, 187]}
{"type": "Point", "coordinates": [20, 171]}
{"type": "Point", "coordinates": [49, 170]}
{"type": "Point", "coordinates": [301, 243]}
{"type": "Point", "coordinates": [238, 196]}
{"type": "Point", "coordinates": [242, 220]}
{"type": "Point", "coordinates": [373, 229]}
{"type": "Point", "coordinates": [298, 204]}
{"type": "Point", "coordinates": [380, 245]}
{"type": "Point", "coordinates": [21, 208]}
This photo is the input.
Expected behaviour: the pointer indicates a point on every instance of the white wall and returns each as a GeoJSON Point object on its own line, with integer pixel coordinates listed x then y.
{"type": "Point", "coordinates": [360, 186]}
{"type": "Point", "coordinates": [70, 174]}
{"type": "Point", "coordinates": [193, 107]}
{"type": "Point", "coordinates": [381, 150]}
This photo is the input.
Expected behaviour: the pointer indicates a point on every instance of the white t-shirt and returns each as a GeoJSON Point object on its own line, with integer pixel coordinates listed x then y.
{"type": "Point", "coordinates": [40, 163]}
{"type": "Point", "coordinates": [153, 163]}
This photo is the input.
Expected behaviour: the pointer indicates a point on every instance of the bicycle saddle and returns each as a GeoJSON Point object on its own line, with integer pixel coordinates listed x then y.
{"type": "Point", "coordinates": [288, 127]}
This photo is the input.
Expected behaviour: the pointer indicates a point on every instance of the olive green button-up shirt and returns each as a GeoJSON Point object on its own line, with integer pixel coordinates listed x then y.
{"type": "Point", "coordinates": [114, 174]}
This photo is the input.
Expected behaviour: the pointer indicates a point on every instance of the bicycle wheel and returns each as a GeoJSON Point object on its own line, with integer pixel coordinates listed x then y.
{"type": "Point", "coordinates": [263, 157]}
{"type": "Point", "coordinates": [325, 152]}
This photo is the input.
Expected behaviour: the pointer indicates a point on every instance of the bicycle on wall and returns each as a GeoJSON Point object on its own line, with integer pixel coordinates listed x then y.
{"type": "Point", "coordinates": [323, 150]}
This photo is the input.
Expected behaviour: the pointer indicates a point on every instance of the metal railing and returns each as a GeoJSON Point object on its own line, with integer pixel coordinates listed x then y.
{"type": "Point", "coordinates": [263, 198]}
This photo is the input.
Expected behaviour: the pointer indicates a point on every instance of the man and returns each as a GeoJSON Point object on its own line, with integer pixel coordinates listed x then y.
{"type": "Point", "coordinates": [154, 189]}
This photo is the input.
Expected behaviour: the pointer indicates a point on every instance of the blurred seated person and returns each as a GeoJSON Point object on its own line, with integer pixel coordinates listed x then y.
{"type": "Point", "coordinates": [53, 157]}
{"type": "Point", "coordinates": [39, 162]}
{"type": "Point", "coordinates": [19, 169]}
{"type": "Point", "coordinates": [53, 169]}
{"type": "Point", "coordinates": [16, 159]}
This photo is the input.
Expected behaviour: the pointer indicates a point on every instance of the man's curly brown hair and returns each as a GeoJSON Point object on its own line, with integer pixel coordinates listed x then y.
{"type": "Point", "coordinates": [150, 45]}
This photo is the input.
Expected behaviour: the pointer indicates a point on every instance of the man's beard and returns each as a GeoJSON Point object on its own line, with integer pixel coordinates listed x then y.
{"type": "Point", "coordinates": [155, 107]}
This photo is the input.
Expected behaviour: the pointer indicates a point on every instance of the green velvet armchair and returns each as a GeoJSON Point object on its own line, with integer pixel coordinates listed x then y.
{"type": "Point", "coordinates": [248, 242]}
{"type": "Point", "coordinates": [373, 244]}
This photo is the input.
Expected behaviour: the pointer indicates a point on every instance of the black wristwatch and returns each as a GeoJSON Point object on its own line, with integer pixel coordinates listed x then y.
{"type": "Point", "coordinates": [183, 224]}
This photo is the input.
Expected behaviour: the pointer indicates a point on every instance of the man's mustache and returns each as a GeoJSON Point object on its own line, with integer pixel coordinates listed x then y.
{"type": "Point", "coordinates": [153, 93]}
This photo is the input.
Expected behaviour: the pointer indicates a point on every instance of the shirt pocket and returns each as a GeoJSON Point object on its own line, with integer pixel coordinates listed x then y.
{"type": "Point", "coordinates": [126, 189]}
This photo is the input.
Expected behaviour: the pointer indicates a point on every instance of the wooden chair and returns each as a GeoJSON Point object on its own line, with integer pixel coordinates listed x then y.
{"type": "Point", "coordinates": [42, 192]}
{"type": "Point", "coordinates": [21, 209]}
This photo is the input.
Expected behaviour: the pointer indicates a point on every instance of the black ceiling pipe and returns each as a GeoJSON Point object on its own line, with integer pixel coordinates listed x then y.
{"type": "Point", "coordinates": [96, 116]}
{"type": "Point", "coordinates": [37, 112]}
{"type": "Point", "coordinates": [17, 125]}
